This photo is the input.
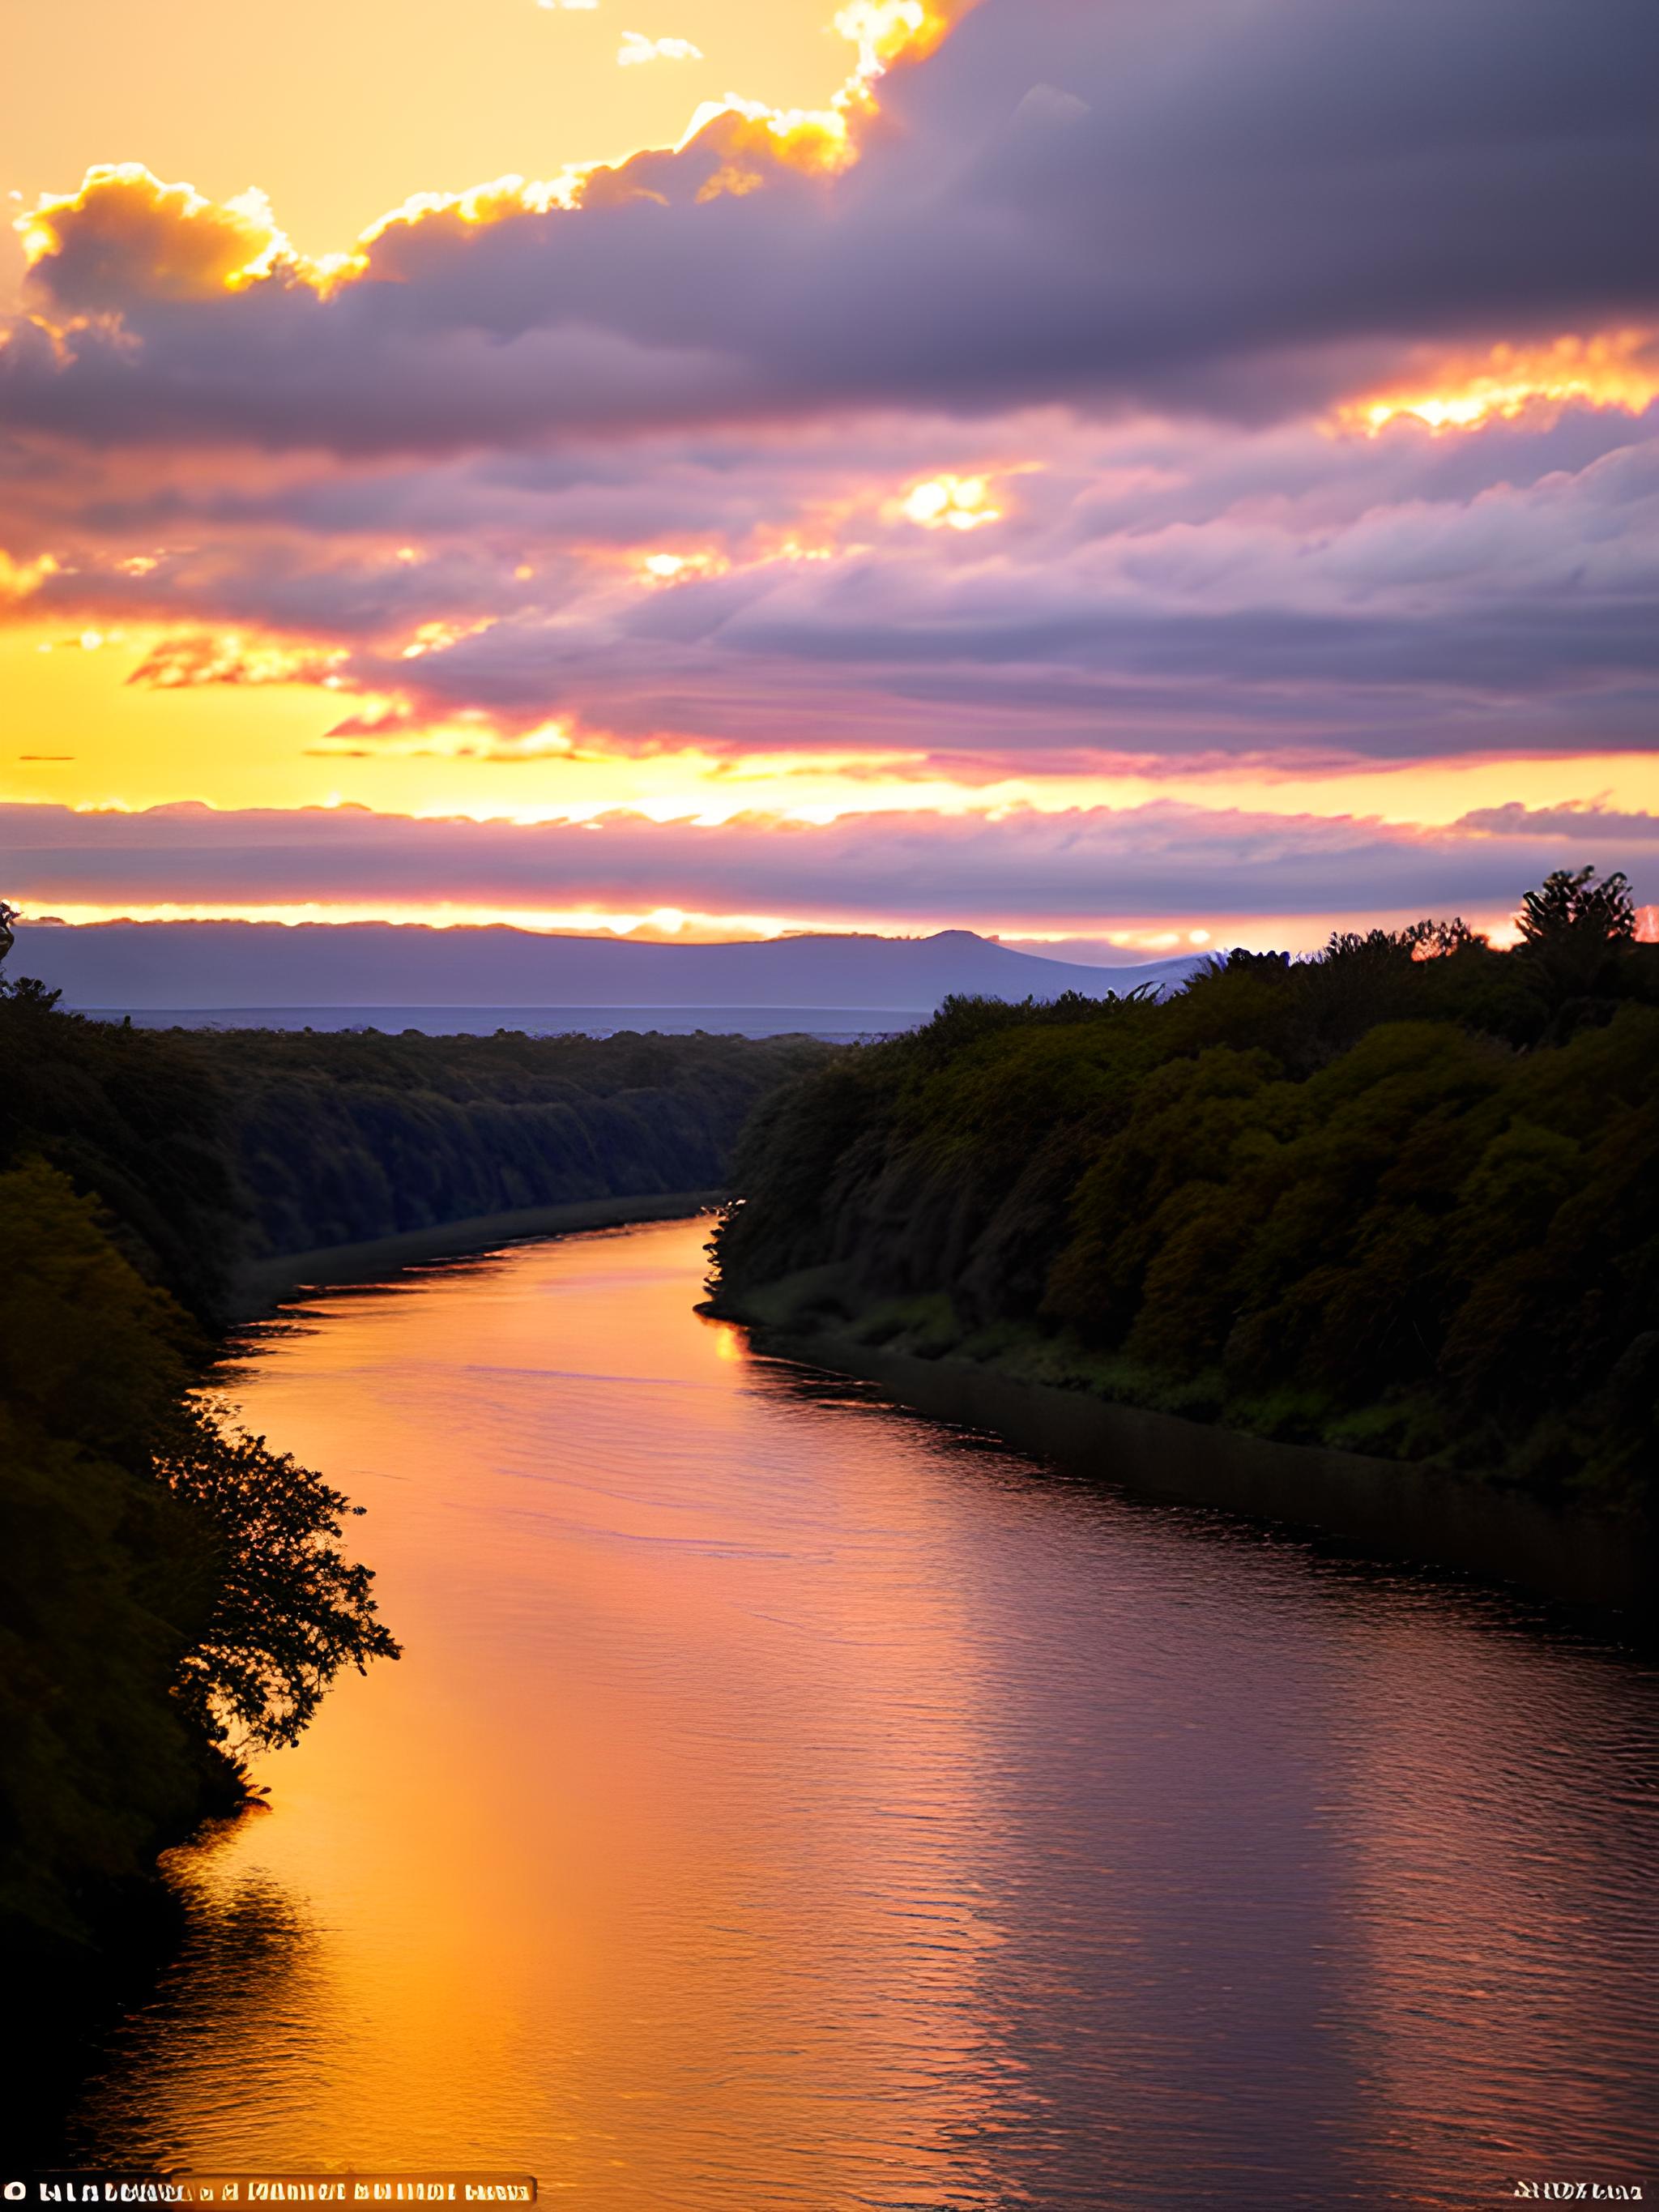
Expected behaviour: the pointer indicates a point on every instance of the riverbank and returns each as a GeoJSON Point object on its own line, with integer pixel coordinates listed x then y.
{"type": "Point", "coordinates": [1396, 1208]}
{"type": "Point", "coordinates": [262, 1284]}
{"type": "Point", "coordinates": [1442, 1519]}
{"type": "Point", "coordinates": [1400, 1511]}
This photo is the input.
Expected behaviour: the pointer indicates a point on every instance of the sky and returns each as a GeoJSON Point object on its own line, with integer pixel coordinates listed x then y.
{"type": "Point", "coordinates": [1138, 474]}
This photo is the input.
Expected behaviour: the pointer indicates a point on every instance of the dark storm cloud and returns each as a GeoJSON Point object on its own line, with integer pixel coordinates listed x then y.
{"type": "Point", "coordinates": [1202, 203]}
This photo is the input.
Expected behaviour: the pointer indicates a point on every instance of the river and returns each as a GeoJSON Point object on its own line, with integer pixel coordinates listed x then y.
{"type": "Point", "coordinates": [785, 1802]}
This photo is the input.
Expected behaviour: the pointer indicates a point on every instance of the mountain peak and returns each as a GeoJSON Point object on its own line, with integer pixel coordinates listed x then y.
{"type": "Point", "coordinates": [135, 965]}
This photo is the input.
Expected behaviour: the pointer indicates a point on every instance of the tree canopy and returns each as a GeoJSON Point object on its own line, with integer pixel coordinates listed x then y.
{"type": "Point", "coordinates": [171, 1592]}
{"type": "Point", "coordinates": [1403, 1195]}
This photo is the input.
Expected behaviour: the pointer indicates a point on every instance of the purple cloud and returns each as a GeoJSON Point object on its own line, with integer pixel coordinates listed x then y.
{"type": "Point", "coordinates": [1080, 869]}
{"type": "Point", "coordinates": [1152, 590]}
{"type": "Point", "coordinates": [1188, 205]}
{"type": "Point", "coordinates": [1118, 260]}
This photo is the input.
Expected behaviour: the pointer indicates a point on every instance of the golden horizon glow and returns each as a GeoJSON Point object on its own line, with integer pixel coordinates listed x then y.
{"type": "Point", "coordinates": [1144, 939]}
{"type": "Point", "coordinates": [85, 736]}
{"type": "Point", "coordinates": [1614, 369]}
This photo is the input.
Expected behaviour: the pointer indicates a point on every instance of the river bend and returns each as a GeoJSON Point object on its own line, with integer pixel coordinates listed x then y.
{"type": "Point", "coordinates": [787, 1804]}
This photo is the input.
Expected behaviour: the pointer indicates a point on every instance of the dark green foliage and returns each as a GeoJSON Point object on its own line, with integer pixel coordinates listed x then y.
{"type": "Point", "coordinates": [169, 1590]}
{"type": "Point", "coordinates": [102, 1579]}
{"type": "Point", "coordinates": [209, 1148]}
{"type": "Point", "coordinates": [343, 1138]}
{"type": "Point", "coordinates": [135, 1119]}
{"type": "Point", "coordinates": [1403, 1196]}
{"type": "Point", "coordinates": [289, 1610]}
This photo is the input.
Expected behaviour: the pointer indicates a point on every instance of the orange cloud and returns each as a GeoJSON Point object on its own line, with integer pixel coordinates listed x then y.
{"type": "Point", "coordinates": [123, 230]}
{"type": "Point", "coordinates": [1613, 368]}
{"type": "Point", "coordinates": [820, 139]}
{"type": "Point", "coordinates": [18, 579]}
{"type": "Point", "coordinates": [178, 664]}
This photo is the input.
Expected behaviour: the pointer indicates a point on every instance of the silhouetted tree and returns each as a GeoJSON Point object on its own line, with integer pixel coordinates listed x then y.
{"type": "Point", "coordinates": [170, 1590]}
{"type": "Point", "coordinates": [1438, 940]}
{"type": "Point", "coordinates": [1574, 904]}
{"type": "Point", "coordinates": [289, 1610]}
{"type": "Point", "coordinates": [27, 988]}
{"type": "Point", "coordinates": [1574, 930]}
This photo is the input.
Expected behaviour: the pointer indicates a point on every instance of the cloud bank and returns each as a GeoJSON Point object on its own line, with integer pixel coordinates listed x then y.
{"type": "Point", "coordinates": [1069, 871]}
{"type": "Point", "coordinates": [1201, 204]}
{"type": "Point", "coordinates": [1298, 356]}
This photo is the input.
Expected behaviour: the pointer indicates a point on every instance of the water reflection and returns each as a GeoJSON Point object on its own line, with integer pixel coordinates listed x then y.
{"type": "Point", "coordinates": [231, 2018]}
{"type": "Point", "coordinates": [785, 1802]}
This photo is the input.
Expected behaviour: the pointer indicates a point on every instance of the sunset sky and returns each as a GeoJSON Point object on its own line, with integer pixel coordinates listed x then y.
{"type": "Point", "coordinates": [1148, 472]}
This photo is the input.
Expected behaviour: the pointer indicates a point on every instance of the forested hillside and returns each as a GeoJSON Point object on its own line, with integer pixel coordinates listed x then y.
{"type": "Point", "coordinates": [339, 1138]}
{"type": "Point", "coordinates": [1402, 1197]}
{"type": "Point", "coordinates": [211, 1149]}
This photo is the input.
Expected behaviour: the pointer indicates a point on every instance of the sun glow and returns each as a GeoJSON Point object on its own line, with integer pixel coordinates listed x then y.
{"type": "Point", "coordinates": [434, 637]}
{"type": "Point", "coordinates": [672, 568]}
{"type": "Point", "coordinates": [1618, 368]}
{"type": "Point", "coordinates": [488, 203]}
{"type": "Point", "coordinates": [883, 29]}
{"type": "Point", "coordinates": [951, 503]}
{"type": "Point", "coordinates": [18, 579]}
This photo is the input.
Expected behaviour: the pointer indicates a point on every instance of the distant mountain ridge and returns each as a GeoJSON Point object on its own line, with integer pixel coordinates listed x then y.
{"type": "Point", "coordinates": [127, 966]}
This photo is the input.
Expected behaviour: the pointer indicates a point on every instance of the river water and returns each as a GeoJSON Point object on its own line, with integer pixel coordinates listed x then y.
{"type": "Point", "coordinates": [786, 1803]}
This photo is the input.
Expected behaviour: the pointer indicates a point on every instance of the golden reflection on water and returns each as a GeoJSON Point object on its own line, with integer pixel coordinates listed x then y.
{"type": "Point", "coordinates": [786, 1803]}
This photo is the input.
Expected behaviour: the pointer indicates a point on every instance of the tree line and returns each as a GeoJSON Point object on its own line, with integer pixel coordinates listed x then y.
{"type": "Point", "coordinates": [211, 1149]}
{"type": "Point", "coordinates": [1402, 1196]}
